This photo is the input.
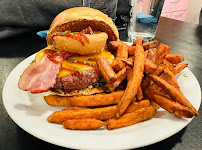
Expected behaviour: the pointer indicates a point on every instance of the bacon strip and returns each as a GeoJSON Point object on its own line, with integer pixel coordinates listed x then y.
{"type": "Point", "coordinates": [40, 76]}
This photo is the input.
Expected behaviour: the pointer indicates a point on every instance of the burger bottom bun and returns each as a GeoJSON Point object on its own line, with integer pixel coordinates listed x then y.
{"type": "Point", "coordinates": [82, 92]}
{"type": "Point", "coordinates": [96, 43]}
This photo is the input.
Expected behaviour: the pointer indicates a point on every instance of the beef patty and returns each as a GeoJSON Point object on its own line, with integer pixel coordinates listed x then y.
{"type": "Point", "coordinates": [73, 82]}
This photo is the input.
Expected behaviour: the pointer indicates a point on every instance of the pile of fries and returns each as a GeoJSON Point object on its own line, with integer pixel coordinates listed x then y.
{"type": "Point", "coordinates": [139, 82]}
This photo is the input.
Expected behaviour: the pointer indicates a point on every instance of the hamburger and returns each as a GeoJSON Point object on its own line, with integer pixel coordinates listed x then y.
{"type": "Point", "coordinates": [67, 66]}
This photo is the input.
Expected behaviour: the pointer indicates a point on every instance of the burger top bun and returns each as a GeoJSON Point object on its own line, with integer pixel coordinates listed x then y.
{"type": "Point", "coordinates": [78, 18]}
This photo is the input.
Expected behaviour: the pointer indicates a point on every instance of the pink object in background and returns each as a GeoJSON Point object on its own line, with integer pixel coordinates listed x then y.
{"type": "Point", "coordinates": [175, 9]}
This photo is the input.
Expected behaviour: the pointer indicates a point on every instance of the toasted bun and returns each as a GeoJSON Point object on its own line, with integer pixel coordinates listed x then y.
{"type": "Point", "coordinates": [95, 44]}
{"type": "Point", "coordinates": [79, 18]}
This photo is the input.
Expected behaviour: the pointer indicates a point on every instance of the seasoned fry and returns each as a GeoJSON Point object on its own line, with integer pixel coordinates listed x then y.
{"type": "Point", "coordinates": [169, 65]}
{"type": "Point", "coordinates": [131, 50]}
{"type": "Point", "coordinates": [149, 45]}
{"type": "Point", "coordinates": [152, 54]}
{"type": "Point", "coordinates": [134, 83]}
{"type": "Point", "coordinates": [122, 53]}
{"type": "Point", "coordinates": [138, 41]}
{"type": "Point", "coordinates": [127, 61]}
{"type": "Point", "coordinates": [92, 100]}
{"type": "Point", "coordinates": [170, 105]}
{"type": "Point", "coordinates": [83, 124]}
{"type": "Point", "coordinates": [179, 67]}
{"type": "Point", "coordinates": [146, 80]}
{"type": "Point", "coordinates": [137, 105]}
{"type": "Point", "coordinates": [128, 119]}
{"type": "Point", "coordinates": [121, 75]}
{"type": "Point", "coordinates": [149, 66]}
{"type": "Point", "coordinates": [107, 71]}
{"type": "Point", "coordinates": [139, 95]}
{"type": "Point", "coordinates": [173, 92]}
{"type": "Point", "coordinates": [113, 45]}
{"type": "Point", "coordinates": [162, 51]}
{"type": "Point", "coordinates": [169, 77]}
{"type": "Point", "coordinates": [103, 113]}
{"type": "Point", "coordinates": [174, 58]}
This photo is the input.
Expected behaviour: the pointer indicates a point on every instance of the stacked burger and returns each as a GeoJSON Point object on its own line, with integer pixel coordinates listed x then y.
{"type": "Point", "coordinates": [67, 66]}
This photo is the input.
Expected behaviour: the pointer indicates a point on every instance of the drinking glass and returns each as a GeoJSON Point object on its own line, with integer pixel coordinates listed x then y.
{"type": "Point", "coordinates": [144, 17]}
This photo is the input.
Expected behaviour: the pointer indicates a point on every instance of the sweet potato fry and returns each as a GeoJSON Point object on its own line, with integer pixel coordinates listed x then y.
{"type": "Point", "coordinates": [113, 45]}
{"type": "Point", "coordinates": [127, 61]}
{"type": "Point", "coordinates": [179, 67]}
{"type": "Point", "coordinates": [169, 77]}
{"type": "Point", "coordinates": [162, 51]}
{"type": "Point", "coordinates": [137, 105]}
{"type": "Point", "coordinates": [170, 105]}
{"type": "Point", "coordinates": [122, 53]}
{"type": "Point", "coordinates": [103, 113]}
{"type": "Point", "coordinates": [169, 65]}
{"type": "Point", "coordinates": [149, 66]}
{"type": "Point", "coordinates": [121, 75]}
{"type": "Point", "coordinates": [139, 95]}
{"type": "Point", "coordinates": [174, 58]}
{"type": "Point", "coordinates": [152, 54]}
{"type": "Point", "coordinates": [128, 119]}
{"type": "Point", "coordinates": [131, 50]}
{"type": "Point", "coordinates": [92, 100]}
{"type": "Point", "coordinates": [146, 80]}
{"type": "Point", "coordinates": [149, 45]}
{"type": "Point", "coordinates": [134, 83]}
{"type": "Point", "coordinates": [106, 70]}
{"type": "Point", "coordinates": [83, 124]}
{"type": "Point", "coordinates": [138, 41]}
{"type": "Point", "coordinates": [173, 92]}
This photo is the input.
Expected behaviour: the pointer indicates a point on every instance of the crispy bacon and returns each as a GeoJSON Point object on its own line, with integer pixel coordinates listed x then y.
{"type": "Point", "coordinates": [40, 76]}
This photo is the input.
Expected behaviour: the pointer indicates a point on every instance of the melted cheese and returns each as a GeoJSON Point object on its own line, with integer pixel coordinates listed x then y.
{"type": "Point", "coordinates": [81, 67]}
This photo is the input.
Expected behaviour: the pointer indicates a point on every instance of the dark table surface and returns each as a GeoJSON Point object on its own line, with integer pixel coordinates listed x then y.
{"type": "Point", "coordinates": [183, 38]}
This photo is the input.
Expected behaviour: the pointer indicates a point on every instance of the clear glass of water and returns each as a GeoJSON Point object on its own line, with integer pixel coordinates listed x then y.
{"type": "Point", "coordinates": [144, 17]}
{"type": "Point", "coordinates": [108, 7]}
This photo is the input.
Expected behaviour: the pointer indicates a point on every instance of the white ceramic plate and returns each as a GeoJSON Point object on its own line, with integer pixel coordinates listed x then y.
{"type": "Point", "coordinates": [30, 111]}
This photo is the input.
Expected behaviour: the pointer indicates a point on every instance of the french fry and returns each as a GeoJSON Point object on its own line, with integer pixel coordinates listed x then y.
{"type": "Point", "coordinates": [134, 83]}
{"type": "Point", "coordinates": [121, 75]}
{"type": "Point", "coordinates": [152, 54]}
{"type": "Point", "coordinates": [162, 51]}
{"type": "Point", "coordinates": [146, 80]}
{"type": "Point", "coordinates": [169, 65]}
{"type": "Point", "coordinates": [139, 95]}
{"type": "Point", "coordinates": [128, 119]}
{"type": "Point", "coordinates": [179, 67]}
{"type": "Point", "coordinates": [137, 105]}
{"type": "Point", "coordinates": [103, 113]}
{"type": "Point", "coordinates": [83, 124]}
{"type": "Point", "coordinates": [128, 61]}
{"type": "Point", "coordinates": [131, 50]}
{"type": "Point", "coordinates": [170, 105]}
{"type": "Point", "coordinates": [149, 45]}
{"type": "Point", "coordinates": [122, 53]}
{"type": "Point", "coordinates": [149, 66]}
{"type": "Point", "coordinates": [92, 100]}
{"type": "Point", "coordinates": [113, 45]}
{"type": "Point", "coordinates": [169, 77]}
{"type": "Point", "coordinates": [174, 58]}
{"type": "Point", "coordinates": [106, 70]}
{"type": "Point", "coordinates": [138, 41]}
{"type": "Point", "coordinates": [173, 92]}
